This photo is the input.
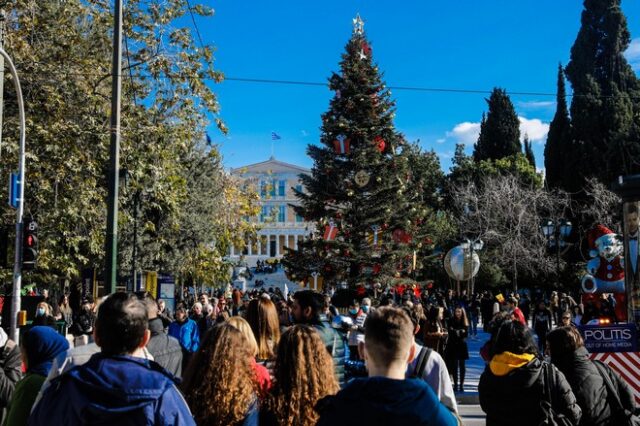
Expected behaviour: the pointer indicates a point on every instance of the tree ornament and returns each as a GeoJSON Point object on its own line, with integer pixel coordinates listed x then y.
{"type": "Point", "coordinates": [358, 25]}
{"type": "Point", "coordinates": [342, 145]}
{"type": "Point", "coordinates": [375, 239]}
{"type": "Point", "coordinates": [330, 231]}
{"type": "Point", "coordinates": [365, 47]}
{"type": "Point", "coordinates": [350, 193]}
{"type": "Point", "coordinates": [338, 94]}
{"type": "Point", "coordinates": [362, 55]}
{"type": "Point", "coordinates": [362, 178]}
{"type": "Point", "coordinates": [379, 143]}
{"type": "Point", "coordinates": [379, 179]}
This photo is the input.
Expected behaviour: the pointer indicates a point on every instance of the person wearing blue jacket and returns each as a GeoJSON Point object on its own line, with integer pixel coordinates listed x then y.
{"type": "Point", "coordinates": [116, 386]}
{"type": "Point", "coordinates": [186, 331]}
{"type": "Point", "coordinates": [386, 398]}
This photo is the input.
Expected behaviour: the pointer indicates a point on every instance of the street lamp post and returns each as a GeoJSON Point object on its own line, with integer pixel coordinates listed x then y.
{"type": "Point", "coordinates": [111, 243]}
{"type": "Point", "coordinates": [471, 247]}
{"type": "Point", "coordinates": [556, 234]}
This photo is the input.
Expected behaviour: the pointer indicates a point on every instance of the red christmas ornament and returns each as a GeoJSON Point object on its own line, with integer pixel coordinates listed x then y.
{"type": "Point", "coordinates": [379, 143]}
{"type": "Point", "coordinates": [330, 232]}
{"type": "Point", "coordinates": [366, 48]}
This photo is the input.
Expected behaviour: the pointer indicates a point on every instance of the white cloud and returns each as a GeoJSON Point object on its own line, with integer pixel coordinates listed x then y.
{"type": "Point", "coordinates": [633, 53]}
{"type": "Point", "coordinates": [441, 140]}
{"type": "Point", "coordinates": [535, 128]}
{"type": "Point", "coordinates": [536, 104]}
{"type": "Point", "coordinates": [304, 133]}
{"type": "Point", "coordinates": [466, 133]}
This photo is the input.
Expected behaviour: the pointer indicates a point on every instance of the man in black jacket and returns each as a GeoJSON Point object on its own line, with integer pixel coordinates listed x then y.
{"type": "Point", "coordinates": [10, 370]}
{"type": "Point", "coordinates": [308, 308]}
{"type": "Point", "coordinates": [165, 349]}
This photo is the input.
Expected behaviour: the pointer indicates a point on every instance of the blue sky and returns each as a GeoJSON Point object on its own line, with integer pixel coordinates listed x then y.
{"type": "Point", "coordinates": [461, 44]}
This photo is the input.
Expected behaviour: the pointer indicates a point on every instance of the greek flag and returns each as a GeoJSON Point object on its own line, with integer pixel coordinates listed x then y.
{"type": "Point", "coordinates": [275, 136]}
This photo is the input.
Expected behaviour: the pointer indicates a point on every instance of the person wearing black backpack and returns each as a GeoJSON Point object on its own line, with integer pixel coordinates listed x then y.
{"type": "Point", "coordinates": [430, 367]}
{"type": "Point", "coordinates": [518, 388]}
{"type": "Point", "coordinates": [600, 402]}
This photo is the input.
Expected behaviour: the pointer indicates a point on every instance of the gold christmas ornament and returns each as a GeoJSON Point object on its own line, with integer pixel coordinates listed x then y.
{"type": "Point", "coordinates": [362, 178]}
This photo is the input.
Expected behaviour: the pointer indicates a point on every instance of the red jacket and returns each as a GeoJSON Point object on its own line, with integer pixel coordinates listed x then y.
{"type": "Point", "coordinates": [519, 316]}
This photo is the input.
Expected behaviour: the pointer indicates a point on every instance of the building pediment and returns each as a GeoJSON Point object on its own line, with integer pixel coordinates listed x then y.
{"type": "Point", "coordinates": [271, 166]}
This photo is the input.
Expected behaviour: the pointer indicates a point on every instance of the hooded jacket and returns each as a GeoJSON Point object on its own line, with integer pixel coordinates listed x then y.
{"type": "Point", "coordinates": [335, 343]}
{"type": "Point", "coordinates": [113, 390]}
{"type": "Point", "coordinates": [165, 349]}
{"type": "Point", "coordinates": [511, 389]}
{"type": "Point", "coordinates": [384, 402]}
{"type": "Point", "coordinates": [590, 389]}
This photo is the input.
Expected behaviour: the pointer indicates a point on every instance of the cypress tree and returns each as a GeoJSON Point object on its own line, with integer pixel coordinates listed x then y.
{"type": "Point", "coordinates": [604, 108]}
{"type": "Point", "coordinates": [500, 132]}
{"type": "Point", "coordinates": [528, 151]}
{"type": "Point", "coordinates": [559, 144]}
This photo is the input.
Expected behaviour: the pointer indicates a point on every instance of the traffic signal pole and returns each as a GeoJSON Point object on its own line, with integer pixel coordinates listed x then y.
{"type": "Point", "coordinates": [17, 266]}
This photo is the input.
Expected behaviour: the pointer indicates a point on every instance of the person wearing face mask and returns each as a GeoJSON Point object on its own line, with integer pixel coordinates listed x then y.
{"type": "Point", "coordinates": [356, 333]}
{"type": "Point", "coordinates": [43, 316]}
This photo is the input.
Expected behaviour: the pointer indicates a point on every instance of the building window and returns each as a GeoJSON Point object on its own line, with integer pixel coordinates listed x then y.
{"type": "Point", "coordinates": [263, 189]}
{"type": "Point", "coordinates": [299, 188]}
{"type": "Point", "coordinates": [282, 214]}
{"type": "Point", "coordinates": [282, 187]}
{"type": "Point", "coordinates": [299, 218]}
{"type": "Point", "coordinates": [265, 214]}
{"type": "Point", "coordinates": [273, 188]}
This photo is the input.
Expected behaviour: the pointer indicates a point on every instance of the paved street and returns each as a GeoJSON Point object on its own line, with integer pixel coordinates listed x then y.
{"type": "Point", "coordinates": [469, 407]}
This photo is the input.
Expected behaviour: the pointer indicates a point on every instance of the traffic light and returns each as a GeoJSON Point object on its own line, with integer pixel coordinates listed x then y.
{"type": "Point", "coordinates": [30, 246]}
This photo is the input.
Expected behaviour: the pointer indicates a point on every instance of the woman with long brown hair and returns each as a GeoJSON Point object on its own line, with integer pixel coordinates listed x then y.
{"type": "Point", "coordinates": [219, 384]}
{"type": "Point", "coordinates": [304, 374]}
{"type": "Point", "coordinates": [262, 316]}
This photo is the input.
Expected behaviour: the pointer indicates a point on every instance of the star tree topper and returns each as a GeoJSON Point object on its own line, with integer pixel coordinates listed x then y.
{"type": "Point", "coordinates": [358, 25]}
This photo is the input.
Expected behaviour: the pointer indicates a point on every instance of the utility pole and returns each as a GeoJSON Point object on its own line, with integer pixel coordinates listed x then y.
{"type": "Point", "coordinates": [2, 22]}
{"type": "Point", "coordinates": [111, 252]}
{"type": "Point", "coordinates": [134, 250]}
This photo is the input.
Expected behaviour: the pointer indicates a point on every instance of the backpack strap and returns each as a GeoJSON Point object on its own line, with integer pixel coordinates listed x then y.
{"type": "Point", "coordinates": [611, 389]}
{"type": "Point", "coordinates": [421, 363]}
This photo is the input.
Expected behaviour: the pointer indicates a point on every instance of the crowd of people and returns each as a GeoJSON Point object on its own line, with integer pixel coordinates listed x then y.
{"type": "Point", "coordinates": [268, 358]}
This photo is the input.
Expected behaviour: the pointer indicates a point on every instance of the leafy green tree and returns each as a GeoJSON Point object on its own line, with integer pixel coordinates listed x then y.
{"type": "Point", "coordinates": [559, 146]}
{"type": "Point", "coordinates": [604, 109]}
{"type": "Point", "coordinates": [366, 182]}
{"type": "Point", "coordinates": [500, 132]}
{"type": "Point", "coordinates": [63, 54]}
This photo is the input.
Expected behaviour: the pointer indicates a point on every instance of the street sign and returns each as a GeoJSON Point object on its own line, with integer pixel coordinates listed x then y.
{"type": "Point", "coordinates": [14, 190]}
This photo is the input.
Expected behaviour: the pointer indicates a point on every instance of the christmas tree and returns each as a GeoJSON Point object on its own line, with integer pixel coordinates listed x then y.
{"type": "Point", "coordinates": [367, 203]}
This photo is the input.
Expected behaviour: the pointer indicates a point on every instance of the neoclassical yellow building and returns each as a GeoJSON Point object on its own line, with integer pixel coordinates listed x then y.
{"type": "Point", "coordinates": [280, 226]}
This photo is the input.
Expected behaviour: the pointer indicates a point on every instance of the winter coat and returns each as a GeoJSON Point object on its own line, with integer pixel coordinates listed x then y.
{"type": "Point", "coordinates": [511, 388]}
{"type": "Point", "coordinates": [590, 389]}
{"type": "Point", "coordinates": [187, 334]}
{"type": "Point", "coordinates": [335, 343]}
{"type": "Point", "coordinates": [457, 343]}
{"type": "Point", "coordinates": [23, 398]}
{"type": "Point", "coordinates": [165, 349]}
{"type": "Point", "coordinates": [116, 390]}
{"type": "Point", "coordinates": [83, 324]}
{"type": "Point", "coordinates": [542, 321]}
{"type": "Point", "coordinates": [10, 369]}
{"type": "Point", "coordinates": [384, 402]}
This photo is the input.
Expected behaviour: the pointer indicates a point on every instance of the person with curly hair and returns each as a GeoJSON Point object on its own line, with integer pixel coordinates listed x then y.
{"type": "Point", "coordinates": [219, 384]}
{"type": "Point", "coordinates": [303, 375]}
{"type": "Point", "coordinates": [262, 376]}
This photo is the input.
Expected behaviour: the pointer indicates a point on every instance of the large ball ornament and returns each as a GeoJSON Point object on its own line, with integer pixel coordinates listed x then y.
{"type": "Point", "coordinates": [460, 265]}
